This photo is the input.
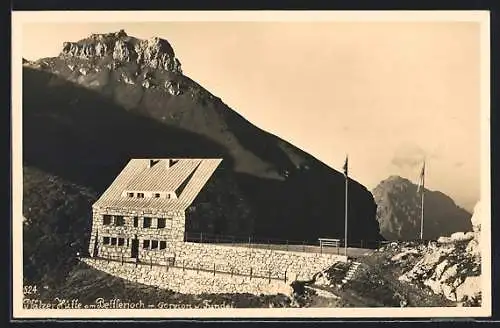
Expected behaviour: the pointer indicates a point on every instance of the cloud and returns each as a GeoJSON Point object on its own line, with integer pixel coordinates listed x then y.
{"type": "Point", "coordinates": [410, 155]}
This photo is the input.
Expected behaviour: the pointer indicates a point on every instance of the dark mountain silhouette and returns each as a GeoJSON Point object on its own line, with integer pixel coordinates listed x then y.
{"type": "Point", "coordinates": [111, 97]}
{"type": "Point", "coordinates": [56, 225]}
{"type": "Point", "coordinates": [399, 211]}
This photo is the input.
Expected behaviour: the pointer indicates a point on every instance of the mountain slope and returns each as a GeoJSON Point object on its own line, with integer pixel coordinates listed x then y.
{"type": "Point", "coordinates": [56, 225]}
{"type": "Point", "coordinates": [110, 97]}
{"type": "Point", "coordinates": [399, 211]}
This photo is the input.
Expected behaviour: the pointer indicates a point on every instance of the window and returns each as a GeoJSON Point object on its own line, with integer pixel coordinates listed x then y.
{"type": "Point", "coordinates": [113, 241]}
{"type": "Point", "coordinates": [121, 241]}
{"type": "Point", "coordinates": [157, 195]}
{"type": "Point", "coordinates": [136, 221]}
{"type": "Point", "coordinates": [154, 244]}
{"type": "Point", "coordinates": [140, 195]}
{"type": "Point", "coordinates": [163, 244]}
{"type": "Point", "coordinates": [161, 223]}
{"type": "Point", "coordinates": [147, 223]}
{"type": "Point", "coordinates": [106, 219]}
{"type": "Point", "coordinates": [105, 240]}
{"type": "Point", "coordinates": [130, 194]}
{"type": "Point", "coordinates": [145, 244]}
{"type": "Point", "coordinates": [119, 221]}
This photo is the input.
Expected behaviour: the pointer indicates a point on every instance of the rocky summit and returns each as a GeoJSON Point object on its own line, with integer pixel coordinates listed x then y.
{"type": "Point", "coordinates": [399, 212]}
{"type": "Point", "coordinates": [109, 97]}
{"type": "Point", "coordinates": [155, 53]}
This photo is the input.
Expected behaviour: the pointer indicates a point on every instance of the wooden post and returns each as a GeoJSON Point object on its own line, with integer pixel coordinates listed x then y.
{"type": "Point", "coordinates": [182, 265]}
{"type": "Point", "coordinates": [269, 276]}
{"type": "Point", "coordinates": [346, 206]}
{"type": "Point", "coordinates": [150, 262]}
{"type": "Point", "coordinates": [122, 258]}
{"type": "Point", "coordinates": [214, 269]}
{"type": "Point", "coordinates": [422, 177]}
{"type": "Point", "coordinates": [251, 273]}
{"type": "Point", "coordinates": [285, 275]}
{"type": "Point", "coordinates": [249, 242]}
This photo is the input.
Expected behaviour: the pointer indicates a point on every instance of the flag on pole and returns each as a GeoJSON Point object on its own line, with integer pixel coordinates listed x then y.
{"type": "Point", "coordinates": [421, 178]}
{"type": "Point", "coordinates": [346, 166]}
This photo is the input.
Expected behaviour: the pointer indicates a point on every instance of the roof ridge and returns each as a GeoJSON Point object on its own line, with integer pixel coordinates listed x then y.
{"type": "Point", "coordinates": [198, 171]}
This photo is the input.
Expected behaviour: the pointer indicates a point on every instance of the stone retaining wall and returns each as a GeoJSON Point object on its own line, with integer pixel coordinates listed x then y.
{"type": "Point", "coordinates": [209, 268]}
{"type": "Point", "coordinates": [236, 259]}
{"type": "Point", "coordinates": [297, 265]}
{"type": "Point", "coordinates": [190, 281]}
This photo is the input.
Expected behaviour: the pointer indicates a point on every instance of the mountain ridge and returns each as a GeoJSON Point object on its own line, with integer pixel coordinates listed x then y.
{"type": "Point", "coordinates": [158, 111]}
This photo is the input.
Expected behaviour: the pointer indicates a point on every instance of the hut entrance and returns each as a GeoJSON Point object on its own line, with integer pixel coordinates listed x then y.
{"type": "Point", "coordinates": [135, 248]}
{"type": "Point", "coordinates": [95, 251]}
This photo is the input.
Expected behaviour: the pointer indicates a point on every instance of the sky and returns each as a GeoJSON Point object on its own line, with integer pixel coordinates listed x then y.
{"type": "Point", "coordinates": [387, 94]}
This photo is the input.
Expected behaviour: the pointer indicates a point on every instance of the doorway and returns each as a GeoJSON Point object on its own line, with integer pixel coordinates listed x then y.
{"type": "Point", "coordinates": [135, 248]}
{"type": "Point", "coordinates": [95, 250]}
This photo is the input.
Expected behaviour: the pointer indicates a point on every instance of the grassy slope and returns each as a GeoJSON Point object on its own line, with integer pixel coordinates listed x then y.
{"type": "Point", "coordinates": [58, 218]}
{"type": "Point", "coordinates": [376, 284]}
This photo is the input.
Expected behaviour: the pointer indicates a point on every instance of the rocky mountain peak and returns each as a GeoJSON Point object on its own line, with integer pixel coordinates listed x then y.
{"type": "Point", "coordinates": [395, 180]}
{"type": "Point", "coordinates": [399, 211]}
{"type": "Point", "coordinates": [154, 53]}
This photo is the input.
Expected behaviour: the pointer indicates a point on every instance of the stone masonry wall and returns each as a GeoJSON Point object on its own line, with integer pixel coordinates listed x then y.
{"type": "Point", "coordinates": [172, 233]}
{"type": "Point", "coordinates": [190, 281]}
{"type": "Point", "coordinates": [232, 263]}
{"type": "Point", "coordinates": [297, 265]}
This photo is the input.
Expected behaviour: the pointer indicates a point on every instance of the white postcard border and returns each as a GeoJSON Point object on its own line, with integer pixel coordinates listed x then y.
{"type": "Point", "coordinates": [20, 18]}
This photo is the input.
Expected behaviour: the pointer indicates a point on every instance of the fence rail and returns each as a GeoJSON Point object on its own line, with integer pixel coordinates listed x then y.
{"type": "Point", "coordinates": [214, 268]}
{"type": "Point", "coordinates": [318, 246]}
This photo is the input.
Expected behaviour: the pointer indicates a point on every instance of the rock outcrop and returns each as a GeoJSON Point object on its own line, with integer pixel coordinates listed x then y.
{"type": "Point", "coordinates": [155, 53]}
{"type": "Point", "coordinates": [451, 267]}
{"type": "Point", "coordinates": [399, 212]}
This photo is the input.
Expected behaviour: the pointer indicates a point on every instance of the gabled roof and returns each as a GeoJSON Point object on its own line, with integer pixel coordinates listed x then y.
{"type": "Point", "coordinates": [161, 177]}
{"type": "Point", "coordinates": [139, 176]}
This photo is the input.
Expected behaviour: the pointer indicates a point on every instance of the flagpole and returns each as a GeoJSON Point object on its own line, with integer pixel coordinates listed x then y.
{"type": "Point", "coordinates": [346, 205]}
{"type": "Point", "coordinates": [422, 205]}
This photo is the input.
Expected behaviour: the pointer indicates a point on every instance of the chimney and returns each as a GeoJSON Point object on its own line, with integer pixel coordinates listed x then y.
{"type": "Point", "coordinates": [152, 162]}
{"type": "Point", "coordinates": [171, 162]}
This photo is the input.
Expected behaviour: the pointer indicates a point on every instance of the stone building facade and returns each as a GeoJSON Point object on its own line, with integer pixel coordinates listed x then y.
{"type": "Point", "coordinates": [142, 215]}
